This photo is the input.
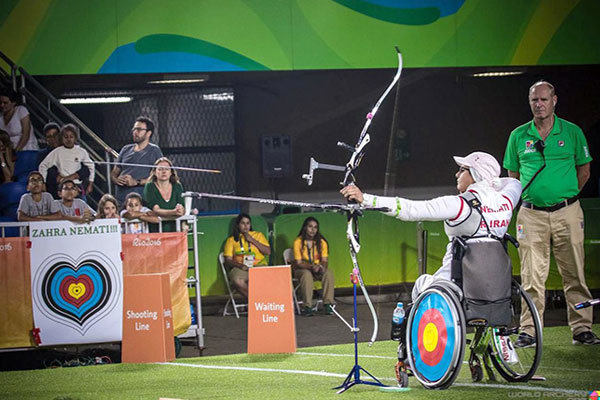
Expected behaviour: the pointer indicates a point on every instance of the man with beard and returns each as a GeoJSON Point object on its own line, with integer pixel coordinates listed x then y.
{"type": "Point", "coordinates": [132, 179]}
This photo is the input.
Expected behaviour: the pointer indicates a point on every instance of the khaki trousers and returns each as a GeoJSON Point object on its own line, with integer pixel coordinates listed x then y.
{"type": "Point", "coordinates": [561, 231]}
{"type": "Point", "coordinates": [306, 282]}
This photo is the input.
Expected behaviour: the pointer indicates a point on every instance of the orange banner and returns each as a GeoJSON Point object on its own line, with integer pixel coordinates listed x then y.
{"type": "Point", "coordinates": [15, 294]}
{"type": "Point", "coordinates": [162, 253]}
{"type": "Point", "coordinates": [271, 323]}
{"type": "Point", "coordinates": [147, 319]}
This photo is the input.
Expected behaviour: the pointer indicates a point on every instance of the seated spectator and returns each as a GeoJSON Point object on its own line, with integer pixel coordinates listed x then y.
{"type": "Point", "coordinates": [136, 211]}
{"type": "Point", "coordinates": [71, 208]}
{"type": "Point", "coordinates": [310, 263]}
{"type": "Point", "coordinates": [162, 194]}
{"type": "Point", "coordinates": [52, 132]}
{"type": "Point", "coordinates": [7, 158]}
{"type": "Point", "coordinates": [68, 159]}
{"type": "Point", "coordinates": [244, 249]}
{"type": "Point", "coordinates": [107, 207]}
{"type": "Point", "coordinates": [15, 120]}
{"type": "Point", "coordinates": [37, 205]}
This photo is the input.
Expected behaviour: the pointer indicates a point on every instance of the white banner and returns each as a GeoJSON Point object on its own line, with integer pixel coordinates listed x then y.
{"type": "Point", "coordinates": [77, 281]}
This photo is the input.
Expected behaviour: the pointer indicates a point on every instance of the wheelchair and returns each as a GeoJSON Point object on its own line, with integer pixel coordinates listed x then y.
{"type": "Point", "coordinates": [482, 298]}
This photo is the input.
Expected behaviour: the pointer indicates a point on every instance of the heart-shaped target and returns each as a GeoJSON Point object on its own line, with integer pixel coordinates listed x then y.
{"type": "Point", "coordinates": [76, 292]}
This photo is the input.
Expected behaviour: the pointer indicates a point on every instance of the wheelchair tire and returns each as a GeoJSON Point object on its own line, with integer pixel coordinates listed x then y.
{"type": "Point", "coordinates": [517, 364]}
{"type": "Point", "coordinates": [436, 356]}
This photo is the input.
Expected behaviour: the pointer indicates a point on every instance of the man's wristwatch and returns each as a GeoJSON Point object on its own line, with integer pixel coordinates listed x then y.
{"type": "Point", "coordinates": [138, 182]}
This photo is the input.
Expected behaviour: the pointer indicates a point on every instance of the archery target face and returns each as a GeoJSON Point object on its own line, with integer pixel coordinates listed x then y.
{"type": "Point", "coordinates": [433, 337]}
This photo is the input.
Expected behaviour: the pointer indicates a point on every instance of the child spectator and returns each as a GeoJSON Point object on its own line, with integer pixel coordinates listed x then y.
{"type": "Point", "coordinates": [72, 209]}
{"type": "Point", "coordinates": [37, 205]}
{"type": "Point", "coordinates": [135, 210]}
{"type": "Point", "coordinates": [69, 158]}
{"type": "Point", "coordinates": [107, 207]}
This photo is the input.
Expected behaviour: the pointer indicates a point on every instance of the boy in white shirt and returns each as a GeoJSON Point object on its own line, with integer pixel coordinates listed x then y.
{"type": "Point", "coordinates": [68, 159]}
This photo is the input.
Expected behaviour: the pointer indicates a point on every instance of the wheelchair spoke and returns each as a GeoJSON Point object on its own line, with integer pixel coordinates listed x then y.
{"type": "Point", "coordinates": [517, 360]}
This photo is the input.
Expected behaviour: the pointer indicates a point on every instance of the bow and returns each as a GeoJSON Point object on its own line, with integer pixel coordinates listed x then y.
{"type": "Point", "coordinates": [358, 151]}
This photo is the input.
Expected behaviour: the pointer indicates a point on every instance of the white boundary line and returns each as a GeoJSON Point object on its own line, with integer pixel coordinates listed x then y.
{"type": "Point", "coordinates": [336, 375]}
{"type": "Point", "coordinates": [302, 353]}
{"type": "Point", "coordinates": [395, 358]}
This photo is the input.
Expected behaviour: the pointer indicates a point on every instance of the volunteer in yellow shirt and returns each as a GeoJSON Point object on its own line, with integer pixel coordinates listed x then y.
{"type": "Point", "coordinates": [310, 263]}
{"type": "Point", "coordinates": [245, 248]}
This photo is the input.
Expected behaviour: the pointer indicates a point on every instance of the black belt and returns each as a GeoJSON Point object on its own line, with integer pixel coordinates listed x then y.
{"type": "Point", "coordinates": [554, 207]}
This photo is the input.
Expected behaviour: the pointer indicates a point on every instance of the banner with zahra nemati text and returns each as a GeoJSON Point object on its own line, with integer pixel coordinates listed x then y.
{"type": "Point", "coordinates": [77, 281]}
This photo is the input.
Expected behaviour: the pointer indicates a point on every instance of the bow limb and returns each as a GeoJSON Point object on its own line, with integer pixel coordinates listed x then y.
{"type": "Point", "coordinates": [354, 249]}
{"type": "Point", "coordinates": [364, 137]}
{"type": "Point", "coordinates": [351, 166]}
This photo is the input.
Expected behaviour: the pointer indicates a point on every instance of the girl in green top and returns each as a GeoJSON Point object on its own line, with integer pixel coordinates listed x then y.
{"type": "Point", "coordinates": [162, 194]}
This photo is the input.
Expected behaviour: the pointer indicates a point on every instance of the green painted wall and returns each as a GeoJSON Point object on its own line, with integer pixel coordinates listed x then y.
{"type": "Point", "coordinates": [129, 36]}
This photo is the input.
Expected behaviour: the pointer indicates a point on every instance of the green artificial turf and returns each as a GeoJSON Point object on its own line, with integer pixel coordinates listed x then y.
{"type": "Point", "coordinates": [571, 371]}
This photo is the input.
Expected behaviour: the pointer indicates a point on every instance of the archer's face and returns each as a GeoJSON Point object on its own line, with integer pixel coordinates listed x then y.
{"type": "Point", "coordinates": [463, 179]}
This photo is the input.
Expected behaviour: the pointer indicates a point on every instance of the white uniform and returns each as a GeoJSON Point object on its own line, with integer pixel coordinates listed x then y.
{"type": "Point", "coordinates": [496, 205]}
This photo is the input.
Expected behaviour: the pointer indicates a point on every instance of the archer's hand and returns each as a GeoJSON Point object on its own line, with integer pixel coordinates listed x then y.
{"type": "Point", "coordinates": [352, 192]}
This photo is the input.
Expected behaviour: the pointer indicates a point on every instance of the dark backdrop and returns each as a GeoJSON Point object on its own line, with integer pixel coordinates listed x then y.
{"type": "Point", "coordinates": [438, 113]}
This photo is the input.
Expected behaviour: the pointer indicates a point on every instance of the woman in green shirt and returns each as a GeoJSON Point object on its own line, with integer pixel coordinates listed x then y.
{"type": "Point", "coordinates": [162, 194]}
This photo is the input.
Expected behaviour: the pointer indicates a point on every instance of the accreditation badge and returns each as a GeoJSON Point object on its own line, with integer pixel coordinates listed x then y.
{"type": "Point", "coordinates": [520, 233]}
{"type": "Point", "coordinates": [249, 260]}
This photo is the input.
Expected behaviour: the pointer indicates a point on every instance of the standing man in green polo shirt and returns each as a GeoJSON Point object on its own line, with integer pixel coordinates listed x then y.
{"type": "Point", "coordinates": [551, 158]}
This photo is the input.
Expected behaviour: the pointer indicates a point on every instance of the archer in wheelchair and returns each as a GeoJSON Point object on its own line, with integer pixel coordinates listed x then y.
{"type": "Point", "coordinates": [473, 287]}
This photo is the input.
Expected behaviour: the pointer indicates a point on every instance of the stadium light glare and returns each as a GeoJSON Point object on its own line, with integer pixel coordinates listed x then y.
{"type": "Point", "coordinates": [96, 100]}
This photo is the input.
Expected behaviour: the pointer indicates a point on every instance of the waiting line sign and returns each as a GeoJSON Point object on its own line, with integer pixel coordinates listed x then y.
{"type": "Point", "coordinates": [271, 323]}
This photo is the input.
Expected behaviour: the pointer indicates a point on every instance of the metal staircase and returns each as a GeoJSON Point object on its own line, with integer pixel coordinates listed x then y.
{"type": "Point", "coordinates": [43, 107]}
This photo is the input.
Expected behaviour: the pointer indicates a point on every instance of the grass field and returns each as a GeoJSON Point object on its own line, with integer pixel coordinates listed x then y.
{"type": "Point", "coordinates": [571, 372]}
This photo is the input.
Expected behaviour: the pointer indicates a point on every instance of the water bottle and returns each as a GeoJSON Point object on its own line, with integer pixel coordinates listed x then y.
{"type": "Point", "coordinates": [397, 320]}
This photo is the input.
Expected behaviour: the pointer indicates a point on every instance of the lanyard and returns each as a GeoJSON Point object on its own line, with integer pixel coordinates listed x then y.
{"type": "Point", "coordinates": [242, 244]}
{"type": "Point", "coordinates": [311, 252]}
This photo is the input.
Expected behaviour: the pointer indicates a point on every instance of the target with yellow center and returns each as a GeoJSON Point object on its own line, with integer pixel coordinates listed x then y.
{"type": "Point", "coordinates": [433, 336]}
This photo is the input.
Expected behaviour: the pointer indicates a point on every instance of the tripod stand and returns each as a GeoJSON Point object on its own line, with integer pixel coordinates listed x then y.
{"type": "Point", "coordinates": [353, 377]}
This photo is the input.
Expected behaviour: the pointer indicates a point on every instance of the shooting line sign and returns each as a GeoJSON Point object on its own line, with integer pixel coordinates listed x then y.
{"type": "Point", "coordinates": [77, 281]}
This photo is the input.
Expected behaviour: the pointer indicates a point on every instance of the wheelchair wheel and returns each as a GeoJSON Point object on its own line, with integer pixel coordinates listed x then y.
{"type": "Point", "coordinates": [436, 337]}
{"type": "Point", "coordinates": [517, 364]}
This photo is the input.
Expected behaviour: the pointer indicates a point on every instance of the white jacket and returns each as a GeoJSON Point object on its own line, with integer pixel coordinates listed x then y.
{"type": "Point", "coordinates": [496, 205]}
{"type": "Point", "coordinates": [68, 161]}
